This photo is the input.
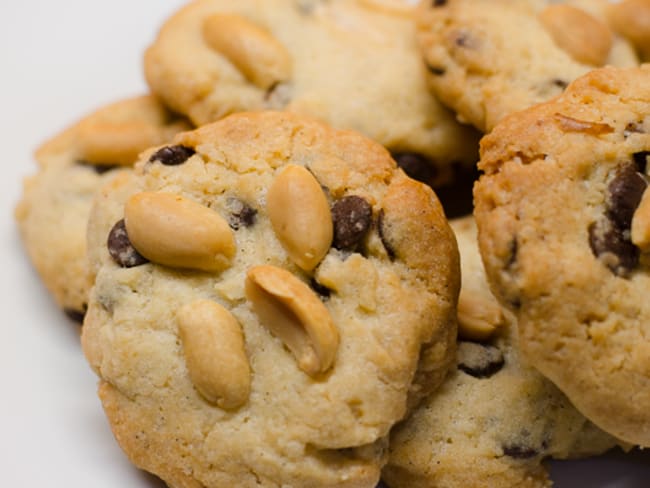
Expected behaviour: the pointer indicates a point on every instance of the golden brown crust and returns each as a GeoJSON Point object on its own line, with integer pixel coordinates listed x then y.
{"type": "Point", "coordinates": [553, 237]}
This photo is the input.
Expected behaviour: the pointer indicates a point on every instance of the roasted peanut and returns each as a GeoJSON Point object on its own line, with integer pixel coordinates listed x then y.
{"type": "Point", "coordinates": [478, 317]}
{"type": "Point", "coordinates": [171, 230]}
{"type": "Point", "coordinates": [259, 56]}
{"type": "Point", "coordinates": [213, 344]}
{"type": "Point", "coordinates": [641, 223]}
{"type": "Point", "coordinates": [120, 143]}
{"type": "Point", "coordinates": [292, 312]}
{"type": "Point", "coordinates": [585, 38]}
{"type": "Point", "coordinates": [631, 19]}
{"type": "Point", "coordinates": [300, 216]}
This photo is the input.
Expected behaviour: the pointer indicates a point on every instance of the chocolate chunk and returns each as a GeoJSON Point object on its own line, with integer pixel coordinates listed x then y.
{"type": "Point", "coordinates": [381, 484]}
{"type": "Point", "coordinates": [100, 169]}
{"type": "Point", "coordinates": [172, 155]}
{"type": "Point", "coordinates": [435, 70]}
{"type": "Point", "coordinates": [241, 214]}
{"type": "Point", "coordinates": [625, 192]}
{"type": "Point", "coordinates": [438, 3]}
{"type": "Point", "coordinates": [641, 160]}
{"type": "Point", "coordinates": [613, 246]}
{"type": "Point", "coordinates": [120, 248]}
{"type": "Point", "coordinates": [322, 290]}
{"type": "Point", "coordinates": [633, 128]}
{"type": "Point", "coordinates": [382, 235]}
{"type": "Point", "coordinates": [351, 216]}
{"type": "Point", "coordinates": [75, 315]}
{"type": "Point", "coordinates": [479, 360]}
{"type": "Point", "coordinates": [560, 83]}
{"type": "Point", "coordinates": [416, 166]}
{"type": "Point", "coordinates": [519, 452]}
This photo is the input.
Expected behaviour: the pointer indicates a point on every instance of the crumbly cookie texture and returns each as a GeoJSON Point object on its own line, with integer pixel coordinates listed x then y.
{"type": "Point", "coordinates": [353, 64]}
{"type": "Point", "coordinates": [562, 219]}
{"type": "Point", "coordinates": [53, 210]}
{"type": "Point", "coordinates": [495, 419]}
{"type": "Point", "coordinates": [330, 276]}
{"type": "Point", "coordinates": [489, 58]}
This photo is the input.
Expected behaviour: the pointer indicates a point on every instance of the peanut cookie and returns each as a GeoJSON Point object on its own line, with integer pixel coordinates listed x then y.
{"type": "Point", "coordinates": [354, 64]}
{"type": "Point", "coordinates": [489, 58]}
{"type": "Point", "coordinates": [53, 211]}
{"type": "Point", "coordinates": [564, 228]}
{"type": "Point", "coordinates": [272, 295]}
{"type": "Point", "coordinates": [495, 419]}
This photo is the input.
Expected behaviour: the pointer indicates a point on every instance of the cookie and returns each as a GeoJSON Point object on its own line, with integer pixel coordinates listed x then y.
{"type": "Point", "coordinates": [53, 210]}
{"type": "Point", "coordinates": [489, 58]}
{"type": "Point", "coordinates": [631, 19]}
{"type": "Point", "coordinates": [495, 420]}
{"type": "Point", "coordinates": [564, 235]}
{"type": "Point", "coordinates": [353, 64]}
{"type": "Point", "coordinates": [329, 277]}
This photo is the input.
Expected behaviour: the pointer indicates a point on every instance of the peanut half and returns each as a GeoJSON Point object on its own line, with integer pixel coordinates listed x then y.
{"type": "Point", "coordinates": [292, 312]}
{"type": "Point", "coordinates": [300, 216]}
{"type": "Point", "coordinates": [641, 223]}
{"type": "Point", "coordinates": [631, 19]}
{"type": "Point", "coordinates": [478, 317]}
{"type": "Point", "coordinates": [174, 231]}
{"type": "Point", "coordinates": [259, 56]}
{"type": "Point", "coordinates": [213, 344]}
{"type": "Point", "coordinates": [585, 38]}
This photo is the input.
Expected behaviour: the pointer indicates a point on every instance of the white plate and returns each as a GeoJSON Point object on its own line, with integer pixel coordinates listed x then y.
{"type": "Point", "coordinates": [60, 60]}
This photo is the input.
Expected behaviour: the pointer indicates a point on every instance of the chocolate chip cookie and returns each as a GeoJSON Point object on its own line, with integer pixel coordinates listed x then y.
{"type": "Point", "coordinates": [354, 64]}
{"type": "Point", "coordinates": [495, 419]}
{"type": "Point", "coordinates": [489, 58]}
{"type": "Point", "coordinates": [271, 296]}
{"type": "Point", "coordinates": [564, 226]}
{"type": "Point", "coordinates": [53, 210]}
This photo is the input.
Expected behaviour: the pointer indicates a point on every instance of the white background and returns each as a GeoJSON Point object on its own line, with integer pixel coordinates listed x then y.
{"type": "Point", "coordinates": [58, 61]}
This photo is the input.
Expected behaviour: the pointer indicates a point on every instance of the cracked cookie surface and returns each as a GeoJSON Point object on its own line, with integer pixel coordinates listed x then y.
{"type": "Point", "coordinates": [494, 412]}
{"type": "Point", "coordinates": [489, 58]}
{"type": "Point", "coordinates": [53, 211]}
{"type": "Point", "coordinates": [332, 274]}
{"type": "Point", "coordinates": [562, 230]}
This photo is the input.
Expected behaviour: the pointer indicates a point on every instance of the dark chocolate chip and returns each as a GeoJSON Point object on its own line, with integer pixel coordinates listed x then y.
{"type": "Point", "coordinates": [438, 3]}
{"type": "Point", "coordinates": [625, 192]}
{"type": "Point", "coordinates": [172, 155]}
{"type": "Point", "coordinates": [351, 216]}
{"type": "Point", "coordinates": [436, 70]}
{"type": "Point", "coordinates": [479, 360]}
{"type": "Point", "coordinates": [382, 235]}
{"type": "Point", "coordinates": [641, 160]}
{"type": "Point", "coordinates": [560, 83]}
{"type": "Point", "coordinates": [513, 248]}
{"type": "Point", "coordinates": [100, 169]}
{"type": "Point", "coordinates": [633, 128]}
{"type": "Point", "coordinates": [613, 246]}
{"type": "Point", "coordinates": [519, 452]}
{"type": "Point", "coordinates": [416, 166]}
{"type": "Point", "coordinates": [121, 249]}
{"type": "Point", "coordinates": [75, 315]}
{"type": "Point", "coordinates": [241, 214]}
{"type": "Point", "coordinates": [381, 484]}
{"type": "Point", "coordinates": [322, 290]}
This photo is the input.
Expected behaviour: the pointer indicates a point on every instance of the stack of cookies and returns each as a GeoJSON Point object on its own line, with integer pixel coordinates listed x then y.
{"type": "Point", "coordinates": [266, 251]}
